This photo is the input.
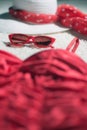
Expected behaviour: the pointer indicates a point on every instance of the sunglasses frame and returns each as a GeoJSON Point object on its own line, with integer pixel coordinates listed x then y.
{"type": "Point", "coordinates": [30, 39]}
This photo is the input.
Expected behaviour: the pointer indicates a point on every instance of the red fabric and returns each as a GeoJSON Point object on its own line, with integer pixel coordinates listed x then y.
{"type": "Point", "coordinates": [47, 91]}
{"type": "Point", "coordinates": [31, 17]}
{"type": "Point", "coordinates": [71, 17]}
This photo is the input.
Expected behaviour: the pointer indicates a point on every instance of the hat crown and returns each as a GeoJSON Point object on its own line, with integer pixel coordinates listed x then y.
{"type": "Point", "coordinates": [38, 6]}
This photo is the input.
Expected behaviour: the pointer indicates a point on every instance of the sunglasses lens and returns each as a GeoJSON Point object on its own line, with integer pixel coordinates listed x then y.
{"type": "Point", "coordinates": [42, 41]}
{"type": "Point", "coordinates": [19, 39]}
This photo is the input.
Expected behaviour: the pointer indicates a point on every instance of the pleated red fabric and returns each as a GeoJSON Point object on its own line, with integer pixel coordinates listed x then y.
{"type": "Point", "coordinates": [47, 91]}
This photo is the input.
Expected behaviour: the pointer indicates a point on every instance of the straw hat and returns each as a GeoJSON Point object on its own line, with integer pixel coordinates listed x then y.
{"type": "Point", "coordinates": [39, 11]}
{"type": "Point", "coordinates": [30, 17]}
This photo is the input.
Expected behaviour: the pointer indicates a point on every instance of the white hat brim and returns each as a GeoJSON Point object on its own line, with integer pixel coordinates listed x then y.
{"type": "Point", "coordinates": [14, 26]}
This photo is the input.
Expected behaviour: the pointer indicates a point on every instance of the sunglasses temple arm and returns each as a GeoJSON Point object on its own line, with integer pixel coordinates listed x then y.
{"type": "Point", "coordinates": [51, 46]}
{"type": "Point", "coordinates": [73, 45]}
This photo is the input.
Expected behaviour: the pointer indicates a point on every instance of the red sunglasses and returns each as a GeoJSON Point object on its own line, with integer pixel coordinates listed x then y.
{"type": "Point", "coordinates": [20, 40]}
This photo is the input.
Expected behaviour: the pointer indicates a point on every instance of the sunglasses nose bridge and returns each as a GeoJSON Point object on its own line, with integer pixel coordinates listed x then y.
{"type": "Point", "coordinates": [30, 40]}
